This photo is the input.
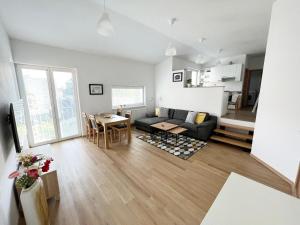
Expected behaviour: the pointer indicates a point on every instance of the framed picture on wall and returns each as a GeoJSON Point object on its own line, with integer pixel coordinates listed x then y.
{"type": "Point", "coordinates": [96, 89]}
{"type": "Point", "coordinates": [177, 76]}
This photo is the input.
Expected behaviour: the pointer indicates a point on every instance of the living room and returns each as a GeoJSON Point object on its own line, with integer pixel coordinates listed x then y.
{"type": "Point", "coordinates": [138, 112]}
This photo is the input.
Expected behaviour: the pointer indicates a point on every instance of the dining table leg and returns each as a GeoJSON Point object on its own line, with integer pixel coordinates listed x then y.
{"type": "Point", "coordinates": [128, 130]}
{"type": "Point", "coordinates": [105, 132]}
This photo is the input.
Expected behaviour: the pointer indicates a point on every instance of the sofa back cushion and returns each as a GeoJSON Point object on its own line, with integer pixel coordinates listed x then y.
{"type": "Point", "coordinates": [213, 118]}
{"type": "Point", "coordinates": [180, 114]}
{"type": "Point", "coordinates": [171, 113]}
{"type": "Point", "coordinates": [163, 112]}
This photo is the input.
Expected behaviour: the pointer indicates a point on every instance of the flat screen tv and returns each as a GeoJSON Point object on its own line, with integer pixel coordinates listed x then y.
{"type": "Point", "coordinates": [17, 122]}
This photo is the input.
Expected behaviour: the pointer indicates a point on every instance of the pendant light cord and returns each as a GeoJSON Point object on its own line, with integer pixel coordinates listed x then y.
{"type": "Point", "coordinates": [104, 6]}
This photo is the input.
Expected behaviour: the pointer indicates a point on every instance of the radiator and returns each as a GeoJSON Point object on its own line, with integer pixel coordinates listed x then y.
{"type": "Point", "coordinates": [136, 113]}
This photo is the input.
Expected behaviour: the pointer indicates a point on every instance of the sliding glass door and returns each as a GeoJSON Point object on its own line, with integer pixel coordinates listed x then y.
{"type": "Point", "coordinates": [65, 103]}
{"type": "Point", "coordinates": [51, 101]}
{"type": "Point", "coordinates": [39, 107]}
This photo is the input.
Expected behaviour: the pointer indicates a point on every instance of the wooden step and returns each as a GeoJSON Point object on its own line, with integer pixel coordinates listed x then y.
{"type": "Point", "coordinates": [234, 134]}
{"type": "Point", "coordinates": [231, 141]}
{"type": "Point", "coordinates": [238, 127]}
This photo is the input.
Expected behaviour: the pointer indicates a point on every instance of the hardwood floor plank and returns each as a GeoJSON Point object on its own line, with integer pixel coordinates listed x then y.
{"type": "Point", "coordinates": [139, 184]}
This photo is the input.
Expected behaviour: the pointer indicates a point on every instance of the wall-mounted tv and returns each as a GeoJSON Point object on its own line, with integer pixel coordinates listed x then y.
{"type": "Point", "coordinates": [18, 125]}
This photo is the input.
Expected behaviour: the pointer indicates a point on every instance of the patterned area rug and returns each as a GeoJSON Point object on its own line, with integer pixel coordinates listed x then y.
{"type": "Point", "coordinates": [183, 148]}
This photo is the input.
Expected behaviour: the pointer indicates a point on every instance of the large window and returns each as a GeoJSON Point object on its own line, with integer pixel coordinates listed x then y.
{"type": "Point", "coordinates": [128, 96]}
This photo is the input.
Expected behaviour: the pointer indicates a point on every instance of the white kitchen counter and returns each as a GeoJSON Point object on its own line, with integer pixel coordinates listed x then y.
{"type": "Point", "coordinates": [245, 202]}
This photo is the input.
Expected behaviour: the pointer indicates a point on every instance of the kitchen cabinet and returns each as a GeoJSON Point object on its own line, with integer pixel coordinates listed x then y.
{"type": "Point", "coordinates": [230, 72]}
{"type": "Point", "coordinates": [223, 73]}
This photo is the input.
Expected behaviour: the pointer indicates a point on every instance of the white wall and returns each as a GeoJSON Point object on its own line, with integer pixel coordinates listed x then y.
{"type": "Point", "coordinates": [91, 68]}
{"type": "Point", "coordinates": [180, 64]}
{"type": "Point", "coordinates": [277, 129]}
{"type": "Point", "coordinates": [173, 95]}
{"type": "Point", "coordinates": [8, 94]}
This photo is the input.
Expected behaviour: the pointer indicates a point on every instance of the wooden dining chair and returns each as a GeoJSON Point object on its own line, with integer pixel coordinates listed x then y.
{"type": "Point", "coordinates": [88, 126]}
{"type": "Point", "coordinates": [121, 128]}
{"type": "Point", "coordinates": [98, 131]}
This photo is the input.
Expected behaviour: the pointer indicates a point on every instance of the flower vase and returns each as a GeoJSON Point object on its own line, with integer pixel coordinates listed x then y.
{"type": "Point", "coordinates": [34, 204]}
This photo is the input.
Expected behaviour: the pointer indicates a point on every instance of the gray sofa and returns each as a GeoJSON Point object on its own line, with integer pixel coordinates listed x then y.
{"type": "Point", "coordinates": [177, 116]}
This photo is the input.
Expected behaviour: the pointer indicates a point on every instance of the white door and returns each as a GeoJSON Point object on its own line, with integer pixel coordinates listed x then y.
{"type": "Point", "coordinates": [51, 103]}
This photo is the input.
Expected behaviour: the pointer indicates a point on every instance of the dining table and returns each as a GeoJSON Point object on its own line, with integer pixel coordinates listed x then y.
{"type": "Point", "coordinates": [107, 120]}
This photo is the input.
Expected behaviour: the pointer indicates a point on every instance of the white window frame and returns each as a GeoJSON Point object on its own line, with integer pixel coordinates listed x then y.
{"type": "Point", "coordinates": [129, 87]}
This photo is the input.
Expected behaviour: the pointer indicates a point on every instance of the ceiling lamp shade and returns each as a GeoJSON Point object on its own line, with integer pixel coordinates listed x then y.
{"type": "Point", "coordinates": [171, 50]}
{"type": "Point", "coordinates": [199, 59]}
{"type": "Point", "coordinates": [104, 26]}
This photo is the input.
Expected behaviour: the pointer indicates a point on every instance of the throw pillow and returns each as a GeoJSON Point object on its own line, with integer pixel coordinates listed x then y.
{"type": "Point", "coordinates": [190, 118]}
{"type": "Point", "coordinates": [156, 111]}
{"type": "Point", "coordinates": [163, 112]}
{"type": "Point", "coordinates": [200, 118]}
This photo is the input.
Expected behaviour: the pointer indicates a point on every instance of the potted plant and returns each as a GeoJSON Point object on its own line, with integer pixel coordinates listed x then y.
{"type": "Point", "coordinates": [33, 198]}
{"type": "Point", "coordinates": [189, 83]}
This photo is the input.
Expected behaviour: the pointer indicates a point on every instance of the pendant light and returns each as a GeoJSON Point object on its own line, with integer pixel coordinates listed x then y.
{"type": "Point", "coordinates": [219, 57]}
{"type": "Point", "coordinates": [171, 49]}
{"type": "Point", "coordinates": [104, 25]}
{"type": "Point", "coordinates": [199, 59]}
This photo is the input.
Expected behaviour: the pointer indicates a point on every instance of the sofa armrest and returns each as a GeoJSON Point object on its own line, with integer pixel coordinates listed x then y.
{"type": "Point", "coordinates": [205, 129]}
{"type": "Point", "coordinates": [207, 124]}
{"type": "Point", "coordinates": [150, 115]}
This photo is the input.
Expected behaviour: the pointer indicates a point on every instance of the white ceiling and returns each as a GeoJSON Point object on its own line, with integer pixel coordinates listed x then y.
{"type": "Point", "coordinates": [142, 31]}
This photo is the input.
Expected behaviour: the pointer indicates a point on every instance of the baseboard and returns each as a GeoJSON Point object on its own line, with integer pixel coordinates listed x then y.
{"type": "Point", "coordinates": [291, 183]}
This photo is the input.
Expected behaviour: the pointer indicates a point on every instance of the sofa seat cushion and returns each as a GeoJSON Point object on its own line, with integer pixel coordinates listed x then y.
{"type": "Point", "coordinates": [149, 121]}
{"type": "Point", "coordinates": [180, 114]}
{"type": "Point", "coordinates": [190, 126]}
{"type": "Point", "coordinates": [174, 121]}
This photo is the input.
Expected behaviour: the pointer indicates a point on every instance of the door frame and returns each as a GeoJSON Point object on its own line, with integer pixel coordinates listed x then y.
{"type": "Point", "coordinates": [246, 85]}
{"type": "Point", "coordinates": [52, 94]}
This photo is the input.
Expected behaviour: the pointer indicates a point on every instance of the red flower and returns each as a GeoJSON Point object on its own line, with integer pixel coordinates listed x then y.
{"type": "Point", "coordinates": [33, 159]}
{"type": "Point", "coordinates": [45, 168]}
{"type": "Point", "coordinates": [46, 165]}
{"type": "Point", "coordinates": [34, 173]}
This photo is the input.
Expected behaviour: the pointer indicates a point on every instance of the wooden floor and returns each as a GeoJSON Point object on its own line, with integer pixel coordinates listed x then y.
{"type": "Point", "coordinates": [141, 185]}
{"type": "Point", "coordinates": [242, 114]}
